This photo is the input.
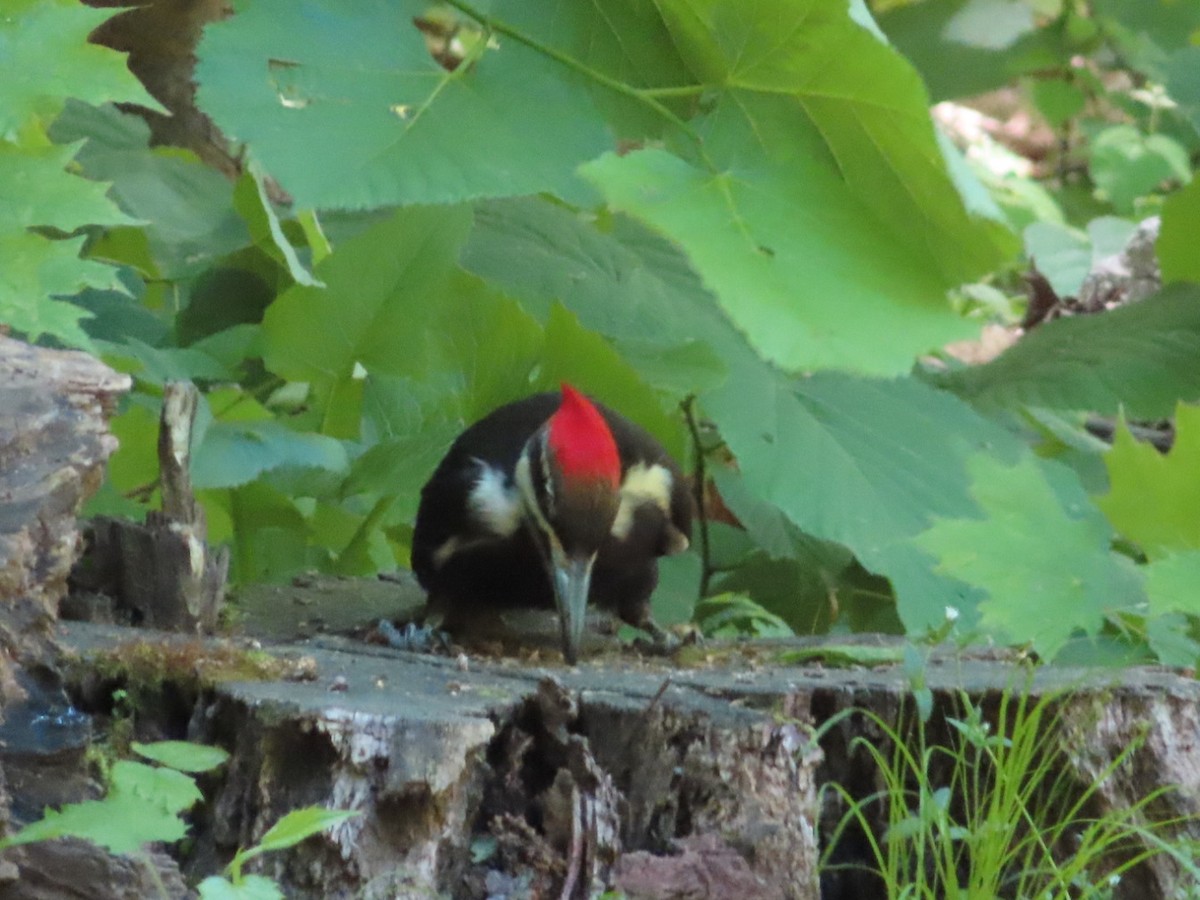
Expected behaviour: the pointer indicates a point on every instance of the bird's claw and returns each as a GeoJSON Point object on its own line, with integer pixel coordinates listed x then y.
{"type": "Point", "coordinates": [414, 638]}
{"type": "Point", "coordinates": [655, 640]}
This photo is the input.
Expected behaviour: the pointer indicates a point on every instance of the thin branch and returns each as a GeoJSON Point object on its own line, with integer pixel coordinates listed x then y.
{"type": "Point", "coordinates": [699, 477]}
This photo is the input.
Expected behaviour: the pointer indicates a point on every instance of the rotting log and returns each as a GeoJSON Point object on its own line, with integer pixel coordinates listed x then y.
{"type": "Point", "coordinates": [522, 777]}
{"type": "Point", "coordinates": [557, 774]}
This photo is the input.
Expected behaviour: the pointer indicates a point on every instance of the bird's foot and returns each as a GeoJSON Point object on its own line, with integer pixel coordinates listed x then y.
{"type": "Point", "coordinates": [414, 638]}
{"type": "Point", "coordinates": [652, 639]}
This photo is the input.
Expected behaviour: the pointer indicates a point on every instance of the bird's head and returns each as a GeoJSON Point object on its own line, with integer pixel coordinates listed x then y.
{"type": "Point", "coordinates": [569, 475]}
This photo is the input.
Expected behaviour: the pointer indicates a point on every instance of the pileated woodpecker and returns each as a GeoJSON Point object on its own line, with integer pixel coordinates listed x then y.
{"type": "Point", "coordinates": [550, 502]}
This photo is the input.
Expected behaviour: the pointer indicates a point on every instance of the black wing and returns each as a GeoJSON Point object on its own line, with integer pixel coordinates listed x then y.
{"type": "Point", "coordinates": [497, 439]}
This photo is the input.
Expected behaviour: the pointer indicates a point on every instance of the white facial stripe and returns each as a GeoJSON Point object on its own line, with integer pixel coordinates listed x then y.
{"type": "Point", "coordinates": [534, 510]}
{"type": "Point", "coordinates": [492, 503]}
{"type": "Point", "coordinates": [642, 484]}
{"type": "Point", "coordinates": [525, 485]}
{"type": "Point", "coordinates": [547, 476]}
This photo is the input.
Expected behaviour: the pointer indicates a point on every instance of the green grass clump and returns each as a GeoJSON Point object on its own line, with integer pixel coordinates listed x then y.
{"type": "Point", "coordinates": [996, 809]}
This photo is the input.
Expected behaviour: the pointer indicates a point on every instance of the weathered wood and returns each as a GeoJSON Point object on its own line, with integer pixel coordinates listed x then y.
{"type": "Point", "coordinates": [75, 869]}
{"type": "Point", "coordinates": [565, 775]}
{"type": "Point", "coordinates": [496, 776]}
{"type": "Point", "coordinates": [54, 443]}
{"type": "Point", "coordinates": [161, 574]}
{"type": "Point", "coordinates": [1166, 723]}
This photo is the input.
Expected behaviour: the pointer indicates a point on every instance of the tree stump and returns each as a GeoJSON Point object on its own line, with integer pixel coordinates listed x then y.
{"type": "Point", "coordinates": [522, 777]}
{"type": "Point", "coordinates": [54, 443]}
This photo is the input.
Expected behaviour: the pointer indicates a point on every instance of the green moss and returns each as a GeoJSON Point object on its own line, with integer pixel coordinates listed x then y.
{"type": "Point", "coordinates": [195, 664]}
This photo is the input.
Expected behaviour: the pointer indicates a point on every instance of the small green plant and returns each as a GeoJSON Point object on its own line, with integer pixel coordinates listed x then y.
{"type": "Point", "coordinates": [732, 615]}
{"type": "Point", "coordinates": [145, 804]}
{"type": "Point", "coordinates": [287, 832]}
{"type": "Point", "coordinates": [993, 809]}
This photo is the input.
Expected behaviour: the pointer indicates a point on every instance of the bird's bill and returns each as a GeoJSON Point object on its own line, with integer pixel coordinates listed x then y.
{"type": "Point", "coordinates": [572, 581]}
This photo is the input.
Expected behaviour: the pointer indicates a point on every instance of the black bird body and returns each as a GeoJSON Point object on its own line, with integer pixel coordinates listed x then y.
{"type": "Point", "coordinates": [498, 518]}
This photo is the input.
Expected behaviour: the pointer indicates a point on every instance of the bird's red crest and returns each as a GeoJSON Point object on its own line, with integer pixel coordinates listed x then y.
{"type": "Point", "coordinates": [581, 441]}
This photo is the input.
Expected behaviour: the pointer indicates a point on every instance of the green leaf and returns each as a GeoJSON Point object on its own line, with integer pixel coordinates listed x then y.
{"type": "Point", "coordinates": [375, 303]}
{"type": "Point", "coordinates": [385, 124]}
{"type": "Point", "coordinates": [232, 346]}
{"type": "Point", "coordinates": [1176, 245]}
{"type": "Point", "coordinates": [142, 806]}
{"type": "Point", "coordinates": [249, 887]}
{"type": "Point", "coordinates": [38, 190]}
{"type": "Point", "coordinates": [1141, 356]}
{"type": "Point", "coordinates": [234, 453]}
{"type": "Point", "coordinates": [807, 87]}
{"type": "Point", "coordinates": [117, 316]}
{"type": "Point", "coordinates": [775, 248]}
{"type": "Point", "coordinates": [1154, 497]}
{"type": "Point", "coordinates": [351, 539]}
{"type": "Point", "coordinates": [731, 615]}
{"type": "Point", "coordinates": [401, 465]}
{"type": "Point", "coordinates": [301, 824]}
{"type": "Point", "coordinates": [772, 531]}
{"type": "Point", "coordinates": [251, 201]}
{"type": "Point", "coordinates": [1169, 634]}
{"type": "Point", "coordinates": [159, 365]}
{"type": "Point", "coordinates": [674, 599]}
{"type": "Point", "coordinates": [1183, 82]}
{"type": "Point", "coordinates": [1046, 567]}
{"type": "Point", "coordinates": [169, 789]}
{"type": "Point", "coordinates": [620, 43]}
{"type": "Point", "coordinates": [399, 406]}
{"type": "Point", "coordinates": [1065, 256]}
{"type": "Point", "coordinates": [271, 536]}
{"type": "Point", "coordinates": [618, 278]}
{"type": "Point", "coordinates": [182, 755]}
{"type": "Point", "coordinates": [844, 655]}
{"type": "Point", "coordinates": [1147, 31]}
{"type": "Point", "coordinates": [484, 343]}
{"type": "Point", "coordinates": [989, 24]}
{"type": "Point", "coordinates": [1058, 100]}
{"type": "Point", "coordinates": [185, 204]}
{"type": "Point", "coordinates": [134, 466]}
{"type": "Point", "coordinates": [1061, 253]}
{"type": "Point", "coordinates": [689, 368]}
{"type": "Point", "coordinates": [35, 267]}
{"type": "Point", "coordinates": [122, 825]}
{"type": "Point", "coordinates": [1126, 164]}
{"type": "Point", "coordinates": [864, 463]}
{"type": "Point", "coordinates": [794, 201]}
{"type": "Point", "coordinates": [793, 589]}
{"type": "Point", "coordinates": [1171, 584]}
{"type": "Point", "coordinates": [58, 30]}
{"type": "Point", "coordinates": [953, 68]}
